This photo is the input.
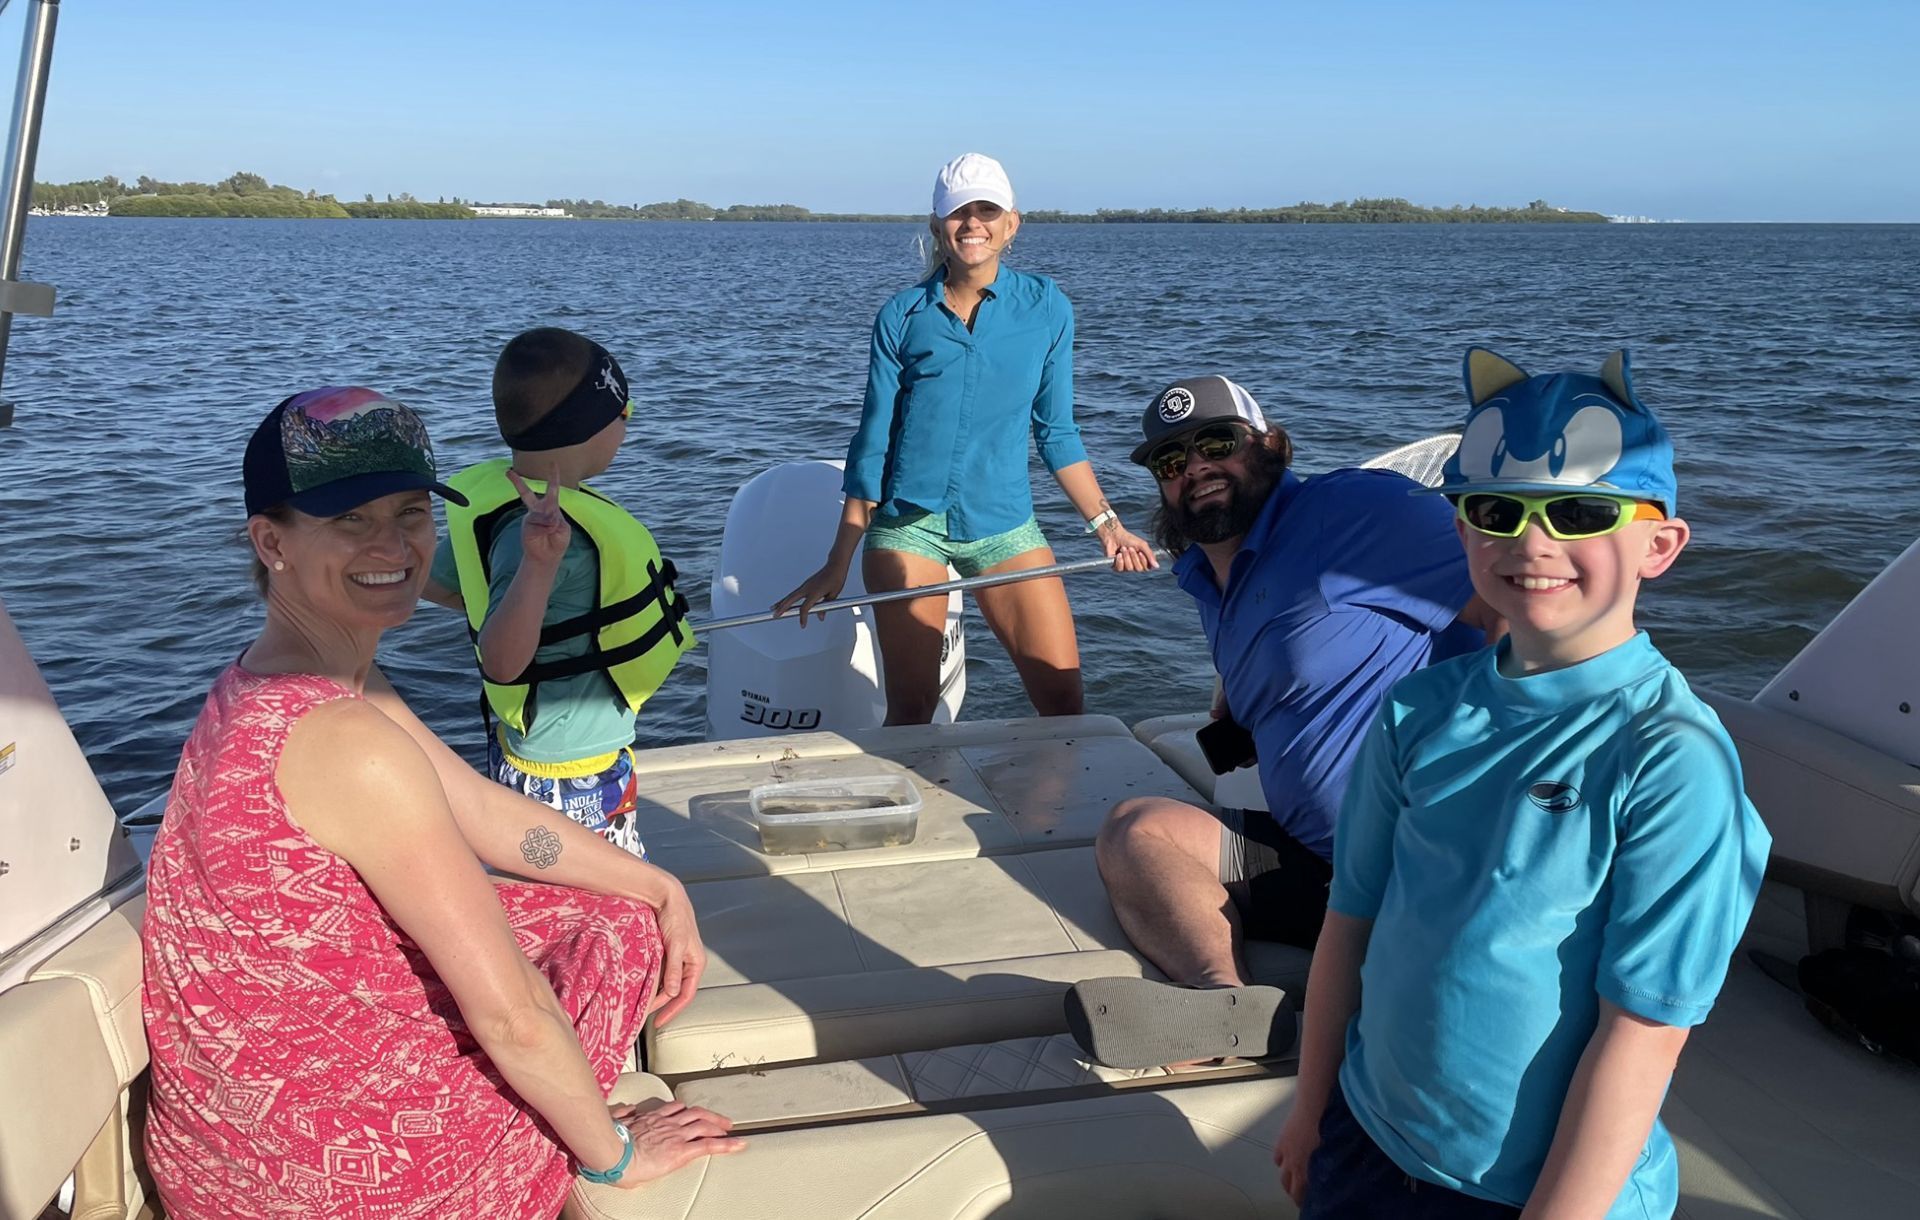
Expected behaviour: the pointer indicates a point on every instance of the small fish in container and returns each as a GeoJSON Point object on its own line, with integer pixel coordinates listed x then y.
{"type": "Point", "coordinates": [844, 814]}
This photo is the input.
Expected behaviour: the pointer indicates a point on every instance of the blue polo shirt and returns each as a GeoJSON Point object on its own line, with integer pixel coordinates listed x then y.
{"type": "Point", "coordinates": [945, 422]}
{"type": "Point", "coordinates": [1345, 584]}
{"type": "Point", "coordinates": [1526, 847]}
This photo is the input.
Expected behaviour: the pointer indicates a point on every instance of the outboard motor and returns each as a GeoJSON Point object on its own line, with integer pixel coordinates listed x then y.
{"type": "Point", "coordinates": [771, 678]}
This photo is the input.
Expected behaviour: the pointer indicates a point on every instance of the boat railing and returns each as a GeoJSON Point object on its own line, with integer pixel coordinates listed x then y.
{"type": "Point", "coordinates": [23, 148]}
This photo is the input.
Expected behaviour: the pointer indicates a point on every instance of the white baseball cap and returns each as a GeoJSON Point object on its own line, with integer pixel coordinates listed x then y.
{"type": "Point", "coordinates": [968, 177]}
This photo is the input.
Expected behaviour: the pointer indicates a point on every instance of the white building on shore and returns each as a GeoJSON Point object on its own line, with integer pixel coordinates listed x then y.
{"type": "Point", "coordinates": [513, 210]}
{"type": "Point", "coordinates": [74, 209]}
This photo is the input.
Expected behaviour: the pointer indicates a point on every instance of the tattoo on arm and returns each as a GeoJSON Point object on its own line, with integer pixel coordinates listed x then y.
{"type": "Point", "coordinates": [541, 847]}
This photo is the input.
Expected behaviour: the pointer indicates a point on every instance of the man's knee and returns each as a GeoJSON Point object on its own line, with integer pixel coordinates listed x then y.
{"type": "Point", "coordinates": [1156, 825]}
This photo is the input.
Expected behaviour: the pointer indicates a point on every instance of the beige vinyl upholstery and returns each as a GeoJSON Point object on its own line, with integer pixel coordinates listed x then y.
{"type": "Point", "coordinates": [851, 1016]}
{"type": "Point", "coordinates": [106, 959]}
{"type": "Point", "coordinates": [1171, 737]}
{"type": "Point", "coordinates": [987, 789]}
{"type": "Point", "coordinates": [865, 961]}
{"type": "Point", "coordinates": [1204, 1150]}
{"type": "Point", "coordinates": [632, 1088]}
{"type": "Point", "coordinates": [1845, 818]}
{"type": "Point", "coordinates": [58, 1088]}
{"type": "Point", "coordinates": [71, 1039]}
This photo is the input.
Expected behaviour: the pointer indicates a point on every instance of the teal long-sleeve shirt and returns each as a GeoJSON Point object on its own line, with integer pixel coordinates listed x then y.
{"type": "Point", "coordinates": [943, 428]}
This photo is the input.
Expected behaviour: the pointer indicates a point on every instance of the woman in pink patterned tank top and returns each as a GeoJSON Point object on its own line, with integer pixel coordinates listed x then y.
{"type": "Point", "coordinates": [347, 1016]}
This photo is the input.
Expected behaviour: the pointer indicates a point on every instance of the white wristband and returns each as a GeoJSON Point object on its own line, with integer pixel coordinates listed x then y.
{"type": "Point", "coordinates": [1101, 520]}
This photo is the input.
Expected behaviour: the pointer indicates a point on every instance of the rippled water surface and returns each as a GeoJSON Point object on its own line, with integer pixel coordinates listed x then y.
{"type": "Point", "coordinates": [1781, 357]}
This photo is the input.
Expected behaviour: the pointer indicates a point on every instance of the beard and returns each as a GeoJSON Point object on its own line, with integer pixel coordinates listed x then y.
{"type": "Point", "coordinates": [1225, 518]}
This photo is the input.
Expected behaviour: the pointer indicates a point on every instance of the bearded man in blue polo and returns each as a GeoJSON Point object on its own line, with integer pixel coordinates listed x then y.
{"type": "Point", "coordinates": [1316, 595]}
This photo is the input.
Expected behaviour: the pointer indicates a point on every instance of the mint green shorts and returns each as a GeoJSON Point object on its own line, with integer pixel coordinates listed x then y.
{"type": "Point", "coordinates": [926, 534]}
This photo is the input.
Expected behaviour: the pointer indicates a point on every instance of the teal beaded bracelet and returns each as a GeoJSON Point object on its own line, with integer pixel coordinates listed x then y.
{"type": "Point", "coordinates": [607, 1177]}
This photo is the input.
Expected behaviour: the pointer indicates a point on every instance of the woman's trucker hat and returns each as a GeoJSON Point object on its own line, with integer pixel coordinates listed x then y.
{"type": "Point", "coordinates": [328, 450]}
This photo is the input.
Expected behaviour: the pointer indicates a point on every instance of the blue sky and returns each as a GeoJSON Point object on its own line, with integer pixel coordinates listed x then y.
{"type": "Point", "coordinates": [1703, 111]}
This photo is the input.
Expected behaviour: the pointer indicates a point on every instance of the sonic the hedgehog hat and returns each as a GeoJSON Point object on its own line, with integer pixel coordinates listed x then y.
{"type": "Point", "coordinates": [1558, 432]}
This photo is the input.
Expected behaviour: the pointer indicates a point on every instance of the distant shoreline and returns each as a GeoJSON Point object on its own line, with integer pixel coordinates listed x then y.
{"type": "Point", "coordinates": [250, 196]}
{"type": "Point", "coordinates": [1202, 216]}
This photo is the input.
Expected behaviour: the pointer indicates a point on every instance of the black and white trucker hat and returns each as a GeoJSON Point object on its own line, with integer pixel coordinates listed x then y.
{"type": "Point", "coordinates": [1191, 402]}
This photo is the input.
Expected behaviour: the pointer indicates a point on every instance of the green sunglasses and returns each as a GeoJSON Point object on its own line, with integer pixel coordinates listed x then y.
{"type": "Point", "coordinates": [1213, 442]}
{"type": "Point", "coordinates": [1568, 517]}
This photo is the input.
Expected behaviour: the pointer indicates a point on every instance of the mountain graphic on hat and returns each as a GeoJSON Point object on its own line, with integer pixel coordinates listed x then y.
{"type": "Point", "coordinates": [327, 450]}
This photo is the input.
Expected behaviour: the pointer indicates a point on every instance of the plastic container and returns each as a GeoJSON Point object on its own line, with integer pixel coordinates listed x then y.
{"type": "Point", "coordinates": [845, 814]}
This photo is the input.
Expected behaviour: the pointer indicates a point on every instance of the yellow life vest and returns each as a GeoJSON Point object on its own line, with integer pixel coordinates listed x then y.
{"type": "Point", "coordinates": [637, 627]}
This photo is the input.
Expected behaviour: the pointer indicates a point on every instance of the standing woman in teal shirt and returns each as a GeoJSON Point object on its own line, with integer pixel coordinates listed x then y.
{"type": "Point", "coordinates": [963, 365]}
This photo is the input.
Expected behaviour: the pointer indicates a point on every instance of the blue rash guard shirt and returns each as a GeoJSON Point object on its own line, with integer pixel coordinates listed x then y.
{"type": "Point", "coordinates": [944, 426]}
{"type": "Point", "coordinates": [1344, 585]}
{"type": "Point", "coordinates": [1526, 847]}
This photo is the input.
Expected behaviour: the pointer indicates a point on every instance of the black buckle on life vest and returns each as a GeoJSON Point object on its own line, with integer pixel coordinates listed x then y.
{"type": "Point", "coordinates": [673, 610]}
{"type": "Point", "coordinates": [659, 587]}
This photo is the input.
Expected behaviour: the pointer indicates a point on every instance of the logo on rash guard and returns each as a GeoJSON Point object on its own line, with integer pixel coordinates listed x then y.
{"type": "Point", "coordinates": [1554, 797]}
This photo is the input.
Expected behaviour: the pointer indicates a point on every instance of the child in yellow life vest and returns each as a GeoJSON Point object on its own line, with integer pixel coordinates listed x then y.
{"type": "Point", "coordinates": [573, 613]}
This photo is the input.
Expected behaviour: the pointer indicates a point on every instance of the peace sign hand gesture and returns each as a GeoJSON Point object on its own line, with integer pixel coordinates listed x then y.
{"type": "Point", "coordinates": [544, 532]}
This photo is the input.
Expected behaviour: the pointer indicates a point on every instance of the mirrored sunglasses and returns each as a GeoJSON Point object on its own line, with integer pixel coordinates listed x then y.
{"type": "Point", "coordinates": [1214, 443]}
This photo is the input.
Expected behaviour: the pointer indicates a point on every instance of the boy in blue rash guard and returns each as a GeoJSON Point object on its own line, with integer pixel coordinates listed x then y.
{"type": "Point", "coordinates": [1545, 855]}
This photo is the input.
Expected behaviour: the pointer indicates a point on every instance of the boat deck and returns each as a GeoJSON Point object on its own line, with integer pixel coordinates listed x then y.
{"type": "Point", "coordinates": [887, 1025]}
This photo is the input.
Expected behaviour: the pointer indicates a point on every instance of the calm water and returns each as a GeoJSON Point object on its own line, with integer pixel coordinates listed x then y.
{"type": "Point", "coordinates": [1782, 358]}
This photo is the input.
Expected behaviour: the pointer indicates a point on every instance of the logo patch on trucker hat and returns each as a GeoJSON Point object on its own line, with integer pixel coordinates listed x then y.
{"type": "Point", "coordinates": [1176, 404]}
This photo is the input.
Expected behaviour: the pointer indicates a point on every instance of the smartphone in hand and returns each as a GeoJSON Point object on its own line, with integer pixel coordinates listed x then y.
{"type": "Point", "coordinates": [1226, 745]}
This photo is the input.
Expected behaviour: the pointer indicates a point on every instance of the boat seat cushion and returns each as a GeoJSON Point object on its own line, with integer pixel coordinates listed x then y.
{"type": "Point", "coordinates": [853, 1016]}
{"type": "Point", "coordinates": [988, 788]}
{"type": "Point", "coordinates": [632, 1088]}
{"type": "Point", "coordinates": [1172, 739]}
{"type": "Point", "coordinates": [865, 961]}
{"type": "Point", "coordinates": [1204, 1150]}
{"type": "Point", "coordinates": [1845, 818]}
{"type": "Point", "coordinates": [58, 1089]}
{"type": "Point", "coordinates": [107, 960]}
